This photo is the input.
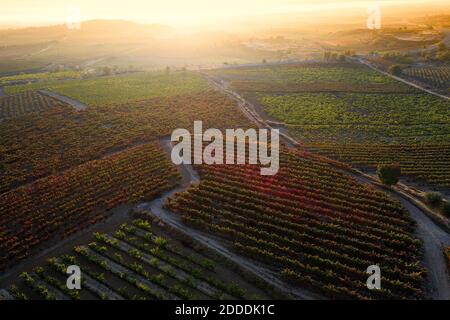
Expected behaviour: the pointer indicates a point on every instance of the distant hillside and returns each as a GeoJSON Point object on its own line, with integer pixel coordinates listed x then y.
{"type": "Point", "coordinates": [90, 31]}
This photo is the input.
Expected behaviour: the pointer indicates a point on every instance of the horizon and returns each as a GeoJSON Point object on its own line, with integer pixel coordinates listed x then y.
{"type": "Point", "coordinates": [201, 13]}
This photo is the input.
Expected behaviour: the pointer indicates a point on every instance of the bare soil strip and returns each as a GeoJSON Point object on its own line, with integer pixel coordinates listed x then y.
{"type": "Point", "coordinates": [74, 103]}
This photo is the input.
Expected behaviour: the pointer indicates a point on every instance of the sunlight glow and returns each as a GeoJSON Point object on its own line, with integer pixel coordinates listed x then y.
{"type": "Point", "coordinates": [173, 12]}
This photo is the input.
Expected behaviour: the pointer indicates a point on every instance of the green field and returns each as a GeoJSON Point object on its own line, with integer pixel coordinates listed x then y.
{"type": "Point", "coordinates": [351, 113]}
{"type": "Point", "coordinates": [307, 72]}
{"type": "Point", "coordinates": [122, 88]}
{"type": "Point", "coordinates": [326, 117]}
{"type": "Point", "coordinates": [41, 76]}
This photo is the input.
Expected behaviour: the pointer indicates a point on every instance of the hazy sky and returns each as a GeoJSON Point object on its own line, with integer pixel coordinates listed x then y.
{"type": "Point", "coordinates": [28, 12]}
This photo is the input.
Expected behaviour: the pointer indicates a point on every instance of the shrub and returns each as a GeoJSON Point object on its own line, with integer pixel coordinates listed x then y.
{"type": "Point", "coordinates": [434, 198]}
{"type": "Point", "coordinates": [395, 69]}
{"type": "Point", "coordinates": [389, 174]}
{"type": "Point", "coordinates": [446, 208]}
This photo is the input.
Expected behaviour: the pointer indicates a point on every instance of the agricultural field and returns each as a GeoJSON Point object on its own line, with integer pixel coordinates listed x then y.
{"type": "Point", "coordinates": [140, 260]}
{"type": "Point", "coordinates": [248, 155]}
{"type": "Point", "coordinates": [317, 226]}
{"type": "Point", "coordinates": [438, 77]}
{"type": "Point", "coordinates": [315, 77]}
{"type": "Point", "coordinates": [28, 152]}
{"type": "Point", "coordinates": [40, 76]}
{"type": "Point", "coordinates": [368, 118]}
{"type": "Point", "coordinates": [59, 205]}
{"type": "Point", "coordinates": [16, 105]}
{"type": "Point", "coordinates": [430, 163]}
{"type": "Point", "coordinates": [355, 113]}
{"type": "Point", "coordinates": [63, 170]}
{"type": "Point", "coordinates": [120, 88]}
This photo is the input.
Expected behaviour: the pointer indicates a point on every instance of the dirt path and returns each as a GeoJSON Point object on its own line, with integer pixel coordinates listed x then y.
{"type": "Point", "coordinates": [74, 103]}
{"type": "Point", "coordinates": [433, 237]}
{"type": "Point", "coordinates": [252, 112]}
{"type": "Point", "coordinates": [156, 207]}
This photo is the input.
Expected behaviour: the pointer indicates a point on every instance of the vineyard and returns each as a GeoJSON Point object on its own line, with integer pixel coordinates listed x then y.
{"type": "Point", "coordinates": [318, 86]}
{"type": "Point", "coordinates": [430, 163]}
{"type": "Point", "coordinates": [370, 118]}
{"type": "Point", "coordinates": [139, 261]}
{"type": "Point", "coordinates": [352, 113]}
{"type": "Point", "coordinates": [309, 74]}
{"type": "Point", "coordinates": [60, 137]}
{"type": "Point", "coordinates": [42, 76]}
{"type": "Point", "coordinates": [23, 103]}
{"type": "Point", "coordinates": [120, 88]}
{"type": "Point", "coordinates": [60, 205]}
{"type": "Point", "coordinates": [317, 226]}
{"type": "Point", "coordinates": [435, 76]}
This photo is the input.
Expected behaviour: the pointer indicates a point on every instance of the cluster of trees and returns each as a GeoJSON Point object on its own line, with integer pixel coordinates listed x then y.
{"type": "Point", "coordinates": [395, 69]}
{"type": "Point", "coordinates": [441, 54]}
{"type": "Point", "coordinates": [436, 200]}
{"type": "Point", "coordinates": [334, 56]}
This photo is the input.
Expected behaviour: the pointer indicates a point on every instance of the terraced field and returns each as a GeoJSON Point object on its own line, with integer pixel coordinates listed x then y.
{"type": "Point", "coordinates": [139, 261]}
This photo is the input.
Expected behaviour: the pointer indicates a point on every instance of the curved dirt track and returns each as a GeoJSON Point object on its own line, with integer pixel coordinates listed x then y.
{"type": "Point", "coordinates": [156, 207]}
{"type": "Point", "coordinates": [432, 236]}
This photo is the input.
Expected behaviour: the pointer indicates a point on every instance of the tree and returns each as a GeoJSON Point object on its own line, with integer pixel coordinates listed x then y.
{"type": "Point", "coordinates": [446, 208]}
{"type": "Point", "coordinates": [107, 71]}
{"type": "Point", "coordinates": [395, 69]}
{"type": "Point", "coordinates": [442, 46]}
{"type": "Point", "coordinates": [434, 198]}
{"type": "Point", "coordinates": [389, 174]}
{"type": "Point", "coordinates": [443, 56]}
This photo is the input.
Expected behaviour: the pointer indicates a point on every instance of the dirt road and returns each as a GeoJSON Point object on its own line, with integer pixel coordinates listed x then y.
{"type": "Point", "coordinates": [219, 245]}
{"type": "Point", "coordinates": [74, 103]}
